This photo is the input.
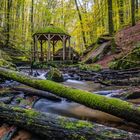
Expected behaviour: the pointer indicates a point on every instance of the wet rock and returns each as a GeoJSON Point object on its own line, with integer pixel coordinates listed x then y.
{"type": "Point", "coordinates": [66, 77]}
{"type": "Point", "coordinates": [133, 94]}
{"type": "Point", "coordinates": [36, 74]}
{"type": "Point", "coordinates": [9, 83]}
{"type": "Point", "coordinates": [109, 92]}
{"type": "Point", "coordinates": [6, 99]}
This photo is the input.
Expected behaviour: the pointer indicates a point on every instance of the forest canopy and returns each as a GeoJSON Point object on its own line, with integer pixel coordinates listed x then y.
{"type": "Point", "coordinates": [84, 20]}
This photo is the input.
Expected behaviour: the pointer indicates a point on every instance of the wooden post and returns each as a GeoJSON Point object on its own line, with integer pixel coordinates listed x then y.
{"type": "Point", "coordinates": [64, 48]}
{"type": "Point", "coordinates": [34, 50]}
{"type": "Point", "coordinates": [41, 50]}
{"type": "Point", "coordinates": [46, 49]}
{"type": "Point", "coordinates": [69, 50]}
{"type": "Point", "coordinates": [53, 48]}
{"type": "Point", "coordinates": [72, 52]}
{"type": "Point", "coordinates": [49, 47]}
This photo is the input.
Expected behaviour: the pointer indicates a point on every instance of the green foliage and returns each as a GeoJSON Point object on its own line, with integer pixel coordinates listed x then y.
{"type": "Point", "coordinates": [16, 25]}
{"type": "Point", "coordinates": [6, 64]}
{"type": "Point", "coordinates": [91, 67]}
{"type": "Point", "coordinates": [43, 65]}
{"type": "Point", "coordinates": [131, 60]}
{"type": "Point", "coordinates": [113, 65]}
{"type": "Point", "coordinates": [4, 55]}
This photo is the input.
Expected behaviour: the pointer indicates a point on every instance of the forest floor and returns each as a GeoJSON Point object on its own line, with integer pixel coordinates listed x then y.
{"type": "Point", "coordinates": [125, 40]}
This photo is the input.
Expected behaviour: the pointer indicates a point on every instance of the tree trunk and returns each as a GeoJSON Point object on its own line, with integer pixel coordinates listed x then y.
{"type": "Point", "coordinates": [50, 126]}
{"type": "Point", "coordinates": [56, 127]}
{"type": "Point", "coordinates": [121, 11]}
{"type": "Point", "coordinates": [32, 17]}
{"type": "Point", "coordinates": [137, 6]}
{"type": "Point", "coordinates": [40, 93]}
{"type": "Point", "coordinates": [112, 106]}
{"type": "Point", "coordinates": [133, 12]}
{"type": "Point", "coordinates": [9, 5]}
{"type": "Point", "coordinates": [81, 22]}
{"type": "Point", "coordinates": [110, 18]}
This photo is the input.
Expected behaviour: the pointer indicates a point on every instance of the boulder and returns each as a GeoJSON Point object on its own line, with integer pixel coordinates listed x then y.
{"type": "Point", "coordinates": [55, 75]}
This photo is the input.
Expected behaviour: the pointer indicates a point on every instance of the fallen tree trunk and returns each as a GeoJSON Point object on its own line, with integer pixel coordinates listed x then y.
{"type": "Point", "coordinates": [40, 93]}
{"type": "Point", "coordinates": [107, 120]}
{"type": "Point", "coordinates": [53, 126]}
{"type": "Point", "coordinates": [112, 106]}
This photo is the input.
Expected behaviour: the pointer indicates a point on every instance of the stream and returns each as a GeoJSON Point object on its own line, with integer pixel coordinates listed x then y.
{"type": "Point", "coordinates": [75, 110]}
{"type": "Point", "coordinates": [72, 109]}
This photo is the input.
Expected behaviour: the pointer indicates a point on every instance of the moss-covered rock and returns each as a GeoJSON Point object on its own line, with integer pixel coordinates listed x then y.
{"type": "Point", "coordinates": [104, 38]}
{"type": "Point", "coordinates": [55, 75]}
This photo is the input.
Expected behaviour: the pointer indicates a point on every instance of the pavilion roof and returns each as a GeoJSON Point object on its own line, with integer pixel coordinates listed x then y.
{"type": "Point", "coordinates": [51, 29]}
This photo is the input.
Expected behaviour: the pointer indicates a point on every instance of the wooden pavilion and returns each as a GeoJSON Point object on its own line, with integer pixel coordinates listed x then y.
{"type": "Point", "coordinates": [51, 34]}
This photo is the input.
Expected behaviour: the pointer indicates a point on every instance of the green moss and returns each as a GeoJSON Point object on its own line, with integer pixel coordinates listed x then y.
{"type": "Point", "coordinates": [91, 67]}
{"type": "Point", "coordinates": [4, 55]}
{"type": "Point", "coordinates": [111, 134]}
{"type": "Point", "coordinates": [74, 124]}
{"type": "Point", "coordinates": [55, 75]}
{"type": "Point", "coordinates": [83, 124]}
{"type": "Point", "coordinates": [19, 99]}
{"type": "Point", "coordinates": [78, 137]}
{"type": "Point", "coordinates": [7, 64]}
{"type": "Point", "coordinates": [104, 38]}
{"type": "Point", "coordinates": [52, 29]}
{"type": "Point", "coordinates": [27, 112]}
{"type": "Point", "coordinates": [31, 113]}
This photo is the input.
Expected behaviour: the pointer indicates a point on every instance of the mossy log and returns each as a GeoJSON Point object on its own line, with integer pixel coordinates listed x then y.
{"type": "Point", "coordinates": [112, 106]}
{"type": "Point", "coordinates": [53, 126]}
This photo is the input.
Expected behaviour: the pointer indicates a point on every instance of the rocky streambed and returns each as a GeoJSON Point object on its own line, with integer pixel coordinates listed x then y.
{"type": "Point", "coordinates": [67, 108]}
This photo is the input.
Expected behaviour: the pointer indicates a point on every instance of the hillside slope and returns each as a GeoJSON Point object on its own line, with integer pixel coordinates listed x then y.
{"type": "Point", "coordinates": [126, 40]}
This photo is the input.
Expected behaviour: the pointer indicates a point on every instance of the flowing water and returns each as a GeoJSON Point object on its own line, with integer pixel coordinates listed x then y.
{"type": "Point", "coordinates": [72, 109]}
{"type": "Point", "coordinates": [75, 110]}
